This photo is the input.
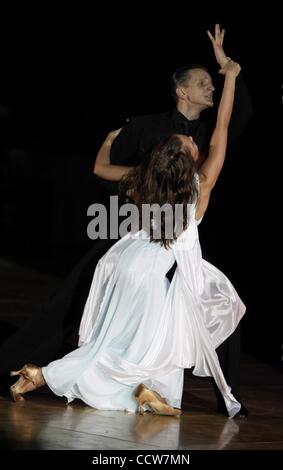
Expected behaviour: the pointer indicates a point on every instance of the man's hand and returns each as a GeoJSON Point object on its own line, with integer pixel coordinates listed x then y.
{"type": "Point", "coordinates": [217, 43]}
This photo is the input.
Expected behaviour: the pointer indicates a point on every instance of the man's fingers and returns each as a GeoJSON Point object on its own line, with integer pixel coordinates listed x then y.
{"type": "Point", "coordinates": [217, 31]}
{"type": "Point", "coordinates": [210, 36]}
{"type": "Point", "coordinates": [219, 35]}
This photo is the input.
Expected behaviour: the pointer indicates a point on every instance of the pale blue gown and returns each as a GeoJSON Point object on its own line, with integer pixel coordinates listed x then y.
{"type": "Point", "coordinates": [138, 328]}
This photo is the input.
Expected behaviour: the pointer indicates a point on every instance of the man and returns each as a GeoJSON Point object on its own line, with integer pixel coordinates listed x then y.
{"type": "Point", "coordinates": [192, 89]}
{"type": "Point", "coordinates": [40, 340]}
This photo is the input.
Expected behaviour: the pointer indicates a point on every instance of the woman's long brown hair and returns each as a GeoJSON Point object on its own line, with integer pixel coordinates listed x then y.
{"type": "Point", "coordinates": [167, 177]}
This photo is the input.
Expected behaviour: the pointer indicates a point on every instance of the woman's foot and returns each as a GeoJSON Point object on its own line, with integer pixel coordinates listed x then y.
{"type": "Point", "coordinates": [157, 404]}
{"type": "Point", "coordinates": [30, 379]}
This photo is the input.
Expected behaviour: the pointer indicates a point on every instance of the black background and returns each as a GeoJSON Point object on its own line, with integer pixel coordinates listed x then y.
{"type": "Point", "coordinates": [68, 78]}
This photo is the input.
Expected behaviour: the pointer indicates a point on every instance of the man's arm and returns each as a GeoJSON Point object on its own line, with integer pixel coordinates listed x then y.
{"type": "Point", "coordinates": [242, 109]}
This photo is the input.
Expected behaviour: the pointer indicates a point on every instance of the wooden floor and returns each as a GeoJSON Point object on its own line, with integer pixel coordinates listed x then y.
{"type": "Point", "coordinates": [44, 421]}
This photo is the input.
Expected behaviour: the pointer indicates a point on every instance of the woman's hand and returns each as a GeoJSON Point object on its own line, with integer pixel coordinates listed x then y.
{"type": "Point", "coordinates": [112, 136]}
{"type": "Point", "coordinates": [231, 67]}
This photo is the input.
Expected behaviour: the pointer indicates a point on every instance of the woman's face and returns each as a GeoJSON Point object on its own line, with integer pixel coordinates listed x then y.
{"type": "Point", "coordinates": [188, 142]}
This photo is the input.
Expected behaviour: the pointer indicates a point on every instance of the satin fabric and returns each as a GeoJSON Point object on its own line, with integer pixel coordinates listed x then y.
{"type": "Point", "coordinates": [138, 328]}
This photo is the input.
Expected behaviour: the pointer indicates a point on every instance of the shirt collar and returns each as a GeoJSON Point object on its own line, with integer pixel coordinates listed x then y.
{"type": "Point", "coordinates": [180, 121]}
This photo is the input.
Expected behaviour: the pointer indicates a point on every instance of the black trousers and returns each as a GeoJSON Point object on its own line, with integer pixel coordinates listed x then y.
{"type": "Point", "coordinates": [43, 338]}
{"type": "Point", "coordinates": [229, 358]}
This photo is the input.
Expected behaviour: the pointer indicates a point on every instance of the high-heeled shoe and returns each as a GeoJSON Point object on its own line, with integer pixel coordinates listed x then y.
{"type": "Point", "coordinates": [155, 402]}
{"type": "Point", "coordinates": [30, 379]}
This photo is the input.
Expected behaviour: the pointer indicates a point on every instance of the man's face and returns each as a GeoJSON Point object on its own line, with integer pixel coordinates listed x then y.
{"type": "Point", "coordinates": [199, 89]}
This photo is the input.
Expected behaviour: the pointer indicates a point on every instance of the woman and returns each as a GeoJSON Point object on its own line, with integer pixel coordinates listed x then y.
{"type": "Point", "coordinates": [138, 332]}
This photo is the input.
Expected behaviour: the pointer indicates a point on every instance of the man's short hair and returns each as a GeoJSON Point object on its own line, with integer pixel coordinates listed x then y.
{"type": "Point", "coordinates": [181, 75]}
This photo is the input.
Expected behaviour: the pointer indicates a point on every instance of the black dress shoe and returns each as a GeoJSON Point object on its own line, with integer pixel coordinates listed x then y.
{"type": "Point", "coordinates": [242, 413]}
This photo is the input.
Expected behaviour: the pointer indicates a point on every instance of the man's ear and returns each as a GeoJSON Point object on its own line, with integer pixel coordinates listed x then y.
{"type": "Point", "coordinates": [180, 93]}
